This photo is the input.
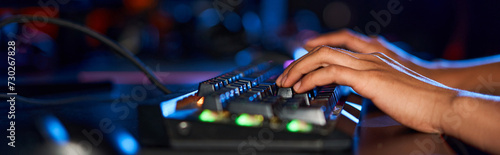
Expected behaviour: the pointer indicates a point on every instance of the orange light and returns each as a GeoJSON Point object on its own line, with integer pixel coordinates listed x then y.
{"type": "Point", "coordinates": [200, 101]}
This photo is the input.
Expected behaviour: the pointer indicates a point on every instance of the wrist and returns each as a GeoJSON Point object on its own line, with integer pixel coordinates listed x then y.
{"type": "Point", "coordinates": [451, 119]}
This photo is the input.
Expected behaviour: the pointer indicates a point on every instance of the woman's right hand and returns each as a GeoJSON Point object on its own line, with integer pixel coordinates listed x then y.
{"type": "Point", "coordinates": [406, 96]}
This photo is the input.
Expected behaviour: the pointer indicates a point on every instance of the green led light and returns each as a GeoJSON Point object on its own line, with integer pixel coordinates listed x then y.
{"type": "Point", "coordinates": [208, 116]}
{"type": "Point", "coordinates": [298, 126]}
{"type": "Point", "coordinates": [249, 120]}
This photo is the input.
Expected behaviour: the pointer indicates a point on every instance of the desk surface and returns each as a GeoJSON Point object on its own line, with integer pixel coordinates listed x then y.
{"type": "Point", "coordinates": [378, 133]}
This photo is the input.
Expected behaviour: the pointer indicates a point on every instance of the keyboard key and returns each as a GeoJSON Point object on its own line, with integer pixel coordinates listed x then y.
{"type": "Point", "coordinates": [303, 96]}
{"type": "Point", "coordinates": [215, 102]}
{"type": "Point", "coordinates": [314, 115]}
{"type": "Point", "coordinates": [206, 88]}
{"type": "Point", "coordinates": [258, 108]}
{"type": "Point", "coordinates": [285, 92]}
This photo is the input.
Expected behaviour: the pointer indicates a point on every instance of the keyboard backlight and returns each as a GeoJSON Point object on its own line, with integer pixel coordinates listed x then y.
{"type": "Point", "coordinates": [200, 101]}
{"type": "Point", "coordinates": [299, 126]}
{"type": "Point", "coordinates": [249, 120]}
{"type": "Point", "coordinates": [208, 116]}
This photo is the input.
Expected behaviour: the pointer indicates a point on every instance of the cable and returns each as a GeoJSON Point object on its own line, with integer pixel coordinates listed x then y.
{"type": "Point", "coordinates": [119, 49]}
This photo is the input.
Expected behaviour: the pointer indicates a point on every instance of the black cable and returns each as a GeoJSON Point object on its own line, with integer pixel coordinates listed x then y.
{"type": "Point", "coordinates": [119, 49]}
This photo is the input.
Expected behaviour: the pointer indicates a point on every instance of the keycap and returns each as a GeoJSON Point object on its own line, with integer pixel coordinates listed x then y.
{"type": "Point", "coordinates": [215, 102]}
{"type": "Point", "coordinates": [250, 96]}
{"type": "Point", "coordinates": [240, 86]}
{"type": "Point", "coordinates": [303, 96]}
{"type": "Point", "coordinates": [271, 87]}
{"type": "Point", "coordinates": [206, 88]}
{"type": "Point", "coordinates": [257, 108]}
{"type": "Point", "coordinates": [285, 92]}
{"type": "Point", "coordinates": [314, 115]}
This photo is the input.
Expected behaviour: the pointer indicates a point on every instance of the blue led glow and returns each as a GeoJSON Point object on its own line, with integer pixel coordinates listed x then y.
{"type": "Point", "coordinates": [273, 14]}
{"type": "Point", "coordinates": [10, 28]}
{"type": "Point", "coordinates": [168, 107]}
{"type": "Point", "coordinates": [348, 115]}
{"type": "Point", "coordinates": [251, 23]}
{"type": "Point", "coordinates": [232, 22]}
{"type": "Point", "coordinates": [182, 114]}
{"type": "Point", "coordinates": [299, 52]}
{"type": "Point", "coordinates": [243, 58]}
{"type": "Point", "coordinates": [209, 18]}
{"type": "Point", "coordinates": [56, 130]}
{"type": "Point", "coordinates": [357, 106]}
{"type": "Point", "coordinates": [305, 19]}
{"type": "Point", "coordinates": [183, 13]}
{"type": "Point", "coordinates": [127, 143]}
{"type": "Point", "coordinates": [222, 98]}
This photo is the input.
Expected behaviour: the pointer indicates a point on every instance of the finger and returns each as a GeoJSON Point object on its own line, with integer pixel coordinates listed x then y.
{"type": "Point", "coordinates": [315, 59]}
{"type": "Point", "coordinates": [322, 58]}
{"type": "Point", "coordinates": [332, 74]}
{"type": "Point", "coordinates": [344, 38]}
{"type": "Point", "coordinates": [282, 77]}
{"type": "Point", "coordinates": [279, 79]}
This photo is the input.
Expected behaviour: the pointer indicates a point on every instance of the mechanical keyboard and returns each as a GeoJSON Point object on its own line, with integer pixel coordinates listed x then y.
{"type": "Point", "coordinates": [244, 109]}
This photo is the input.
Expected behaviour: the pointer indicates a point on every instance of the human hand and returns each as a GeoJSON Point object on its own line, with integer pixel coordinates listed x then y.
{"type": "Point", "coordinates": [353, 41]}
{"type": "Point", "coordinates": [408, 97]}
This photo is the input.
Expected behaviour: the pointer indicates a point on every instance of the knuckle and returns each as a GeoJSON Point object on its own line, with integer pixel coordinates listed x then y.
{"type": "Point", "coordinates": [308, 78]}
{"type": "Point", "coordinates": [348, 32]}
{"type": "Point", "coordinates": [323, 50]}
{"type": "Point", "coordinates": [332, 70]}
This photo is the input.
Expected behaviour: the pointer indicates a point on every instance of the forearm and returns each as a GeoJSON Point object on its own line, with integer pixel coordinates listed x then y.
{"type": "Point", "coordinates": [478, 75]}
{"type": "Point", "coordinates": [473, 118]}
{"type": "Point", "coordinates": [482, 79]}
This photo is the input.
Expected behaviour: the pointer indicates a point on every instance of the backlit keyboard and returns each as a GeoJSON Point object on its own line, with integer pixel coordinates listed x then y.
{"type": "Point", "coordinates": [244, 108]}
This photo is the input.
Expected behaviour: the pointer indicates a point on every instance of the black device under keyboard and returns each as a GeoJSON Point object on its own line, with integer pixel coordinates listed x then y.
{"type": "Point", "coordinates": [244, 109]}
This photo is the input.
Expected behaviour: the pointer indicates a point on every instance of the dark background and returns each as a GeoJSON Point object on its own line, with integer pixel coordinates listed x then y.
{"type": "Point", "coordinates": [192, 30]}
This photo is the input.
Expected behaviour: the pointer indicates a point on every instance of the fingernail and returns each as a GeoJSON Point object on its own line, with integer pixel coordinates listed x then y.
{"type": "Point", "coordinates": [297, 86]}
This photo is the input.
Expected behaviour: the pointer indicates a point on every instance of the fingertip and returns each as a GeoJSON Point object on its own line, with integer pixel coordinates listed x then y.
{"type": "Point", "coordinates": [278, 80]}
{"type": "Point", "coordinates": [311, 43]}
{"type": "Point", "coordinates": [308, 48]}
{"type": "Point", "coordinates": [296, 87]}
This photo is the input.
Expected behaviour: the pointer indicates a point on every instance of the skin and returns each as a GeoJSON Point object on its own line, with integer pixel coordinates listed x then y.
{"type": "Point", "coordinates": [426, 96]}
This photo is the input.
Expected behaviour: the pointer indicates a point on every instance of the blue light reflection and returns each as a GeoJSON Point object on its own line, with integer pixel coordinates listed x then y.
{"type": "Point", "coordinates": [168, 107]}
{"type": "Point", "coordinates": [299, 52]}
{"type": "Point", "coordinates": [182, 13]}
{"type": "Point", "coordinates": [243, 58]}
{"type": "Point", "coordinates": [232, 22]}
{"type": "Point", "coordinates": [56, 130]}
{"type": "Point", "coordinates": [251, 23]}
{"type": "Point", "coordinates": [127, 143]}
{"type": "Point", "coordinates": [350, 116]}
{"type": "Point", "coordinates": [209, 18]}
